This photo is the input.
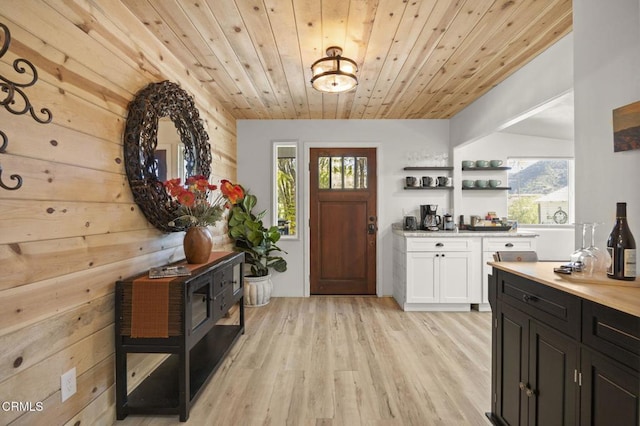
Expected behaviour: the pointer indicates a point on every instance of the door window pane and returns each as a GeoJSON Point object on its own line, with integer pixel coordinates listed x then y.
{"type": "Point", "coordinates": [361, 173]}
{"type": "Point", "coordinates": [349, 172]}
{"type": "Point", "coordinates": [336, 173]}
{"type": "Point", "coordinates": [342, 173]}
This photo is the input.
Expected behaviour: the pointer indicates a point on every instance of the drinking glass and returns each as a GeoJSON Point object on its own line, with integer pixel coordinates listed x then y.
{"type": "Point", "coordinates": [583, 260]}
{"type": "Point", "coordinates": [603, 259]}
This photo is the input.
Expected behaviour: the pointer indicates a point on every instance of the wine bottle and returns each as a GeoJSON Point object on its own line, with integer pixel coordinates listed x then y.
{"type": "Point", "coordinates": [622, 248]}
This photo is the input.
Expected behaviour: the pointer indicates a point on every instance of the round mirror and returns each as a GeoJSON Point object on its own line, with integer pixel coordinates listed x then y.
{"type": "Point", "coordinates": [158, 100]}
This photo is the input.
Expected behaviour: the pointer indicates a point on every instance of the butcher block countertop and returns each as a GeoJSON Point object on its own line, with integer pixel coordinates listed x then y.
{"type": "Point", "coordinates": [621, 295]}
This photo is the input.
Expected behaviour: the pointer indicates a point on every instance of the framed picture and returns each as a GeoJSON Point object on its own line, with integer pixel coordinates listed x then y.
{"type": "Point", "coordinates": [626, 127]}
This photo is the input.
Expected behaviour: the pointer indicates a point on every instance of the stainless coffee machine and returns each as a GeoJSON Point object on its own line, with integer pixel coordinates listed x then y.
{"type": "Point", "coordinates": [429, 220]}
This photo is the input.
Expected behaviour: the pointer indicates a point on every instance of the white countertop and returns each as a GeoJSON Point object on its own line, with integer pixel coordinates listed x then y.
{"type": "Point", "coordinates": [397, 229]}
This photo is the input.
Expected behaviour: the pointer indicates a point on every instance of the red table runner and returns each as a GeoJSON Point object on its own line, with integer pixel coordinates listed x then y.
{"type": "Point", "coordinates": [150, 302]}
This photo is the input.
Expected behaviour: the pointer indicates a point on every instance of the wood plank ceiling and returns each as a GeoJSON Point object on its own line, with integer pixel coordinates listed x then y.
{"type": "Point", "coordinates": [416, 58]}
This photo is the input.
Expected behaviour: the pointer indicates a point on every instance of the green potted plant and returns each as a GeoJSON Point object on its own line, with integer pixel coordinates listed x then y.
{"type": "Point", "coordinates": [259, 246]}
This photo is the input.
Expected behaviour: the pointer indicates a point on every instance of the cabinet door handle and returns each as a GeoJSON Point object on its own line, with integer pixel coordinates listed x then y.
{"type": "Point", "coordinates": [526, 298]}
{"type": "Point", "coordinates": [439, 245]}
{"type": "Point", "coordinates": [530, 392]}
{"type": "Point", "coordinates": [442, 254]}
{"type": "Point", "coordinates": [509, 245]}
{"type": "Point", "coordinates": [437, 255]}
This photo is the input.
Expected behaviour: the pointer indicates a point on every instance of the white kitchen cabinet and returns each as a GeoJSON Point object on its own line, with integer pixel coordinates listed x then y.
{"type": "Point", "coordinates": [437, 273]}
{"type": "Point", "coordinates": [491, 245]}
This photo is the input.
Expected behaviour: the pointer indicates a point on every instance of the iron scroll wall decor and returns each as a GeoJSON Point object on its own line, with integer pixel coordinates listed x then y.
{"type": "Point", "coordinates": [19, 104]}
{"type": "Point", "coordinates": [155, 101]}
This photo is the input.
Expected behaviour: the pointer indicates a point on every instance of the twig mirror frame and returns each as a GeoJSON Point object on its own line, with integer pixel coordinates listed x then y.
{"type": "Point", "coordinates": [157, 100]}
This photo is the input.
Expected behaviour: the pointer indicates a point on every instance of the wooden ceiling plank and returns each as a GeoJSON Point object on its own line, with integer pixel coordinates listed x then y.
{"type": "Point", "coordinates": [127, 26]}
{"type": "Point", "coordinates": [193, 21]}
{"type": "Point", "coordinates": [411, 25]}
{"type": "Point", "coordinates": [285, 30]}
{"type": "Point", "coordinates": [387, 18]}
{"type": "Point", "coordinates": [335, 15]}
{"type": "Point", "coordinates": [262, 35]}
{"type": "Point", "coordinates": [402, 89]}
{"type": "Point", "coordinates": [254, 56]}
{"type": "Point", "coordinates": [359, 27]}
{"type": "Point", "coordinates": [230, 21]}
{"type": "Point", "coordinates": [308, 16]}
{"type": "Point", "coordinates": [161, 27]}
{"type": "Point", "coordinates": [545, 30]}
{"type": "Point", "coordinates": [454, 37]}
{"type": "Point", "coordinates": [502, 21]}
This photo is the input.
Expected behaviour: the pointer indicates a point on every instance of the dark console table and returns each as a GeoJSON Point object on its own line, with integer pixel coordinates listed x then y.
{"type": "Point", "coordinates": [566, 349]}
{"type": "Point", "coordinates": [178, 316]}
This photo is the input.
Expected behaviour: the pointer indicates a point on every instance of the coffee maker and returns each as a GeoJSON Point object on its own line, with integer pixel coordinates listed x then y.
{"type": "Point", "coordinates": [429, 220]}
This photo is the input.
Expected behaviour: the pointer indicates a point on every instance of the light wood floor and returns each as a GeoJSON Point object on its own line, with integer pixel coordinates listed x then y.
{"type": "Point", "coordinates": [349, 361]}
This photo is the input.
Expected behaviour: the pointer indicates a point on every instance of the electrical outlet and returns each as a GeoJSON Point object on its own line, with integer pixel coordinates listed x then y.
{"type": "Point", "coordinates": [68, 384]}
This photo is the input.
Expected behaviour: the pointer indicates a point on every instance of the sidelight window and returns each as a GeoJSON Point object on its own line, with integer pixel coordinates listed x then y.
{"type": "Point", "coordinates": [285, 188]}
{"type": "Point", "coordinates": [339, 173]}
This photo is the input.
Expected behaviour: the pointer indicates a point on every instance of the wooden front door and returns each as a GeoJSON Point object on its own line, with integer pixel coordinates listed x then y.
{"type": "Point", "coordinates": [343, 219]}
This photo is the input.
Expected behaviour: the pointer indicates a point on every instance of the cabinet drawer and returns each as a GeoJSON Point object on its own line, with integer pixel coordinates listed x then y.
{"type": "Point", "coordinates": [222, 279]}
{"type": "Point", "coordinates": [221, 303]}
{"type": "Point", "coordinates": [556, 308]}
{"type": "Point", "coordinates": [508, 244]}
{"type": "Point", "coordinates": [438, 244]}
{"type": "Point", "coordinates": [614, 333]}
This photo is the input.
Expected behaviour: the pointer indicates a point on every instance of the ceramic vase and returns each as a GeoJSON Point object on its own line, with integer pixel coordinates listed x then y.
{"type": "Point", "coordinates": [197, 244]}
{"type": "Point", "coordinates": [257, 290]}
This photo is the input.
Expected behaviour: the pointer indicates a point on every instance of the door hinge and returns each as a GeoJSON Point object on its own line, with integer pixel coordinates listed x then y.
{"type": "Point", "coordinates": [579, 379]}
{"type": "Point", "coordinates": [495, 322]}
{"type": "Point", "coordinates": [495, 398]}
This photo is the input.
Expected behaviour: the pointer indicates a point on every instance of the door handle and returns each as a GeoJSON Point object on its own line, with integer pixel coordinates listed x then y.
{"type": "Point", "coordinates": [371, 228]}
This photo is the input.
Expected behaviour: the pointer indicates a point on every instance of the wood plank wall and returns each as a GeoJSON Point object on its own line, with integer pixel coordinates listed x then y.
{"type": "Point", "coordinates": [73, 228]}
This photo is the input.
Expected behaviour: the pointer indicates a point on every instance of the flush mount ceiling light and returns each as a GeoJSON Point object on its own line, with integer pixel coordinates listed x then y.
{"type": "Point", "coordinates": [334, 73]}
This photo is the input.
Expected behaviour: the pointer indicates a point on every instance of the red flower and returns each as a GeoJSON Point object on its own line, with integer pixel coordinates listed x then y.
{"type": "Point", "coordinates": [199, 206]}
{"type": "Point", "coordinates": [231, 191]}
{"type": "Point", "coordinates": [186, 198]}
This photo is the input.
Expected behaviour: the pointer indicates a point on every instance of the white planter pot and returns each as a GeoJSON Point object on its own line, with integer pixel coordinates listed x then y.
{"type": "Point", "coordinates": [257, 290]}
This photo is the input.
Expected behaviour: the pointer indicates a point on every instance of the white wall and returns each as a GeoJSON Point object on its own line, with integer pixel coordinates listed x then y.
{"type": "Point", "coordinates": [607, 76]}
{"type": "Point", "coordinates": [395, 139]}
{"type": "Point", "coordinates": [546, 77]}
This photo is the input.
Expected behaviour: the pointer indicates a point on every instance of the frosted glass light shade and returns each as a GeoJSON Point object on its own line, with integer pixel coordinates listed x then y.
{"type": "Point", "coordinates": [334, 73]}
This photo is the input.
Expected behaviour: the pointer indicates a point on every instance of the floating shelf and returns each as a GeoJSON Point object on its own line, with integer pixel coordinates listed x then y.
{"type": "Point", "coordinates": [428, 168]}
{"type": "Point", "coordinates": [497, 188]}
{"type": "Point", "coordinates": [482, 169]}
{"type": "Point", "coordinates": [428, 187]}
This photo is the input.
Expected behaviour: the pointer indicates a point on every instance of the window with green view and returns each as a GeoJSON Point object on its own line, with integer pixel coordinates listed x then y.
{"type": "Point", "coordinates": [285, 188]}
